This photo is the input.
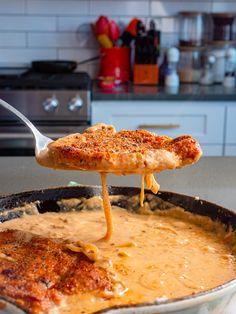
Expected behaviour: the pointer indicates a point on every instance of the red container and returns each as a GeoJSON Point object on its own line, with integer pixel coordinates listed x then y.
{"type": "Point", "coordinates": [115, 62]}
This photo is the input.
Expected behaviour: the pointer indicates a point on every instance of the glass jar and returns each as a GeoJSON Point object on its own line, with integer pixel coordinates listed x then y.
{"type": "Point", "coordinates": [223, 26]}
{"type": "Point", "coordinates": [191, 28]}
{"type": "Point", "coordinates": [190, 64]}
{"type": "Point", "coordinates": [218, 50]}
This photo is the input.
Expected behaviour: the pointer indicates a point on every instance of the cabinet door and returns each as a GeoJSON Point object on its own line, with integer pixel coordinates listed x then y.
{"type": "Point", "coordinates": [230, 150]}
{"type": "Point", "coordinates": [205, 122]}
{"type": "Point", "coordinates": [212, 150]}
{"type": "Point", "coordinates": [231, 125]}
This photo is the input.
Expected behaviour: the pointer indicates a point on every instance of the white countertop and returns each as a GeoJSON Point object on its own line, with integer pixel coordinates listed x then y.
{"type": "Point", "coordinates": [212, 178]}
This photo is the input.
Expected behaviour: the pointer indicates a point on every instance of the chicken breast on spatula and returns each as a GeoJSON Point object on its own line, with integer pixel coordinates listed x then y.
{"type": "Point", "coordinates": [100, 148]}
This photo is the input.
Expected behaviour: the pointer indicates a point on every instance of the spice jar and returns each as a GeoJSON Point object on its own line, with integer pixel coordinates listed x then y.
{"type": "Point", "coordinates": [190, 64]}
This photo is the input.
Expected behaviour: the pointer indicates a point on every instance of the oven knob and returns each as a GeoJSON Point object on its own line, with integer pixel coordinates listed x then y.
{"type": "Point", "coordinates": [51, 104]}
{"type": "Point", "coordinates": [75, 103]}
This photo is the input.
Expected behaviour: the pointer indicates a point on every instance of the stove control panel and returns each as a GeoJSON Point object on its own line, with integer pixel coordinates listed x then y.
{"type": "Point", "coordinates": [75, 103]}
{"type": "Point", "coordinates": [57, 106]}
{"type": "Point", "coordinates": [51, 104]}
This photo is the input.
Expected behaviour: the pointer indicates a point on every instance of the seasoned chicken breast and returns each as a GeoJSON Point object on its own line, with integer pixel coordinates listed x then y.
{"type": "Point", "coordinates": [35, 272]}
{"type": "Point", "coordinates": [100, 148]}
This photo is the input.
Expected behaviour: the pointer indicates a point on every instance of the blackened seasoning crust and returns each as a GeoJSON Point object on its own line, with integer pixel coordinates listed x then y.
{"type": "Point", "coordinates": [101, 148]}
{"type": "Point", "coordinates": [35, 272]}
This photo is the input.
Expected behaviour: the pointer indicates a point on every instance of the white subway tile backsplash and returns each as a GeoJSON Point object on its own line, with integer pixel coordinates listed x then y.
{"type": "Point", "coordinates": [168, 8]}
{"type": "Point", "coordinates": [12, 6]}
{"type": "Point", "coordinates": [223, 6]}
{"type": "Point", "coordinates": [50, 29]}
{"type": "Point", "coordinates": [25, 55]}
{"type": "Point", "coordinates": [77, 54]}
{"type": "Point", "coordinates": [214, 1]}
{"type": "Point", "coordinates": [55, 7]}
{"type": "Point", "coordinates": [27, 23]}
{"type": "Point", "coordinates": [54, 40]}
{"type": "Point", "coordinates": [62, 40]}
{"type": "Point", "coordinates": [10, 39]}
{"type": "Point", "coordinates": [169, 24]}
{"type": "Point", "coordinates": [72, 24]}
{"type": "Point", "coordinates": [83, 24]}
{"type": "Point", "coordinates": [123, 8]}
{"type": "Point", "coordinates": [169, 39]}
{"type": "Point", "coordinates": [93, 69]}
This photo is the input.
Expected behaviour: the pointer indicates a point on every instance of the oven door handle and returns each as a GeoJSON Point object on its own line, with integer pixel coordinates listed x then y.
{"type": "Point", "coordinates": [20, 136]}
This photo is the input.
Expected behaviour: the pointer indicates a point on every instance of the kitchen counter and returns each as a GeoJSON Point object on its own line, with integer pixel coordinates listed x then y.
{"type": "Point", "coordinates": [193, 92]}
{"type": "Point", "coordinates": [212, 178]}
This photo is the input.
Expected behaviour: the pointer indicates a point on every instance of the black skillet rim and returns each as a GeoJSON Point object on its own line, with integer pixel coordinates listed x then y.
{"type": "Point", "coordinates": [198, 206]}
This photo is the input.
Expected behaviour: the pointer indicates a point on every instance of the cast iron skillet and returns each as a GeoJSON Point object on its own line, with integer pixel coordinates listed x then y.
{"type": "Point", "coordinates": [47, 201]}
{"type": "Point", "coordinates": [59, 66]}
{"type": "Point", "coordinates": [54, 66]}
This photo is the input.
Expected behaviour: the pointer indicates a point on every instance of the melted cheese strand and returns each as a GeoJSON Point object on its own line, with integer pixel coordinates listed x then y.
{"type": "Point", "coordinates": [149, 180]}
{"type": "Point", "coordinates": [155, 186]}
{"type": "Point", "coordinates": [151, 183]}
{"type": "Point", "coordinates": [106, 207]}
{"type": "Point", "coordinates": [90, 250]}
{"type": "Point", "coordinates": [142, 191]}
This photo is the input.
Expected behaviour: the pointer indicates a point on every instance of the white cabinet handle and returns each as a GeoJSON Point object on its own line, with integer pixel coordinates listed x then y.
{"type": "Point", "coordinates": [159, 126]}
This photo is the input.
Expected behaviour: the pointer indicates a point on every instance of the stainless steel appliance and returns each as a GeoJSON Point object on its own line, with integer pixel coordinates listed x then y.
{"type": "Point", "coordinates": [192, 30]}
{"type": "Point", "coordinates": [58, 104]}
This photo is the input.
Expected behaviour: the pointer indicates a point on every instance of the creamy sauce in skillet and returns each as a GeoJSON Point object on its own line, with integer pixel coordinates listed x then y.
{"type": "Point", "coordinates": [100, 148]}
{"type": "Point", "coordinates": [167, 254]}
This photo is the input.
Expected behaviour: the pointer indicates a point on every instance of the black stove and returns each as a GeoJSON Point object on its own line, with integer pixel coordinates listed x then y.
{"type": "Point", "coordinates": [57, 103]}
